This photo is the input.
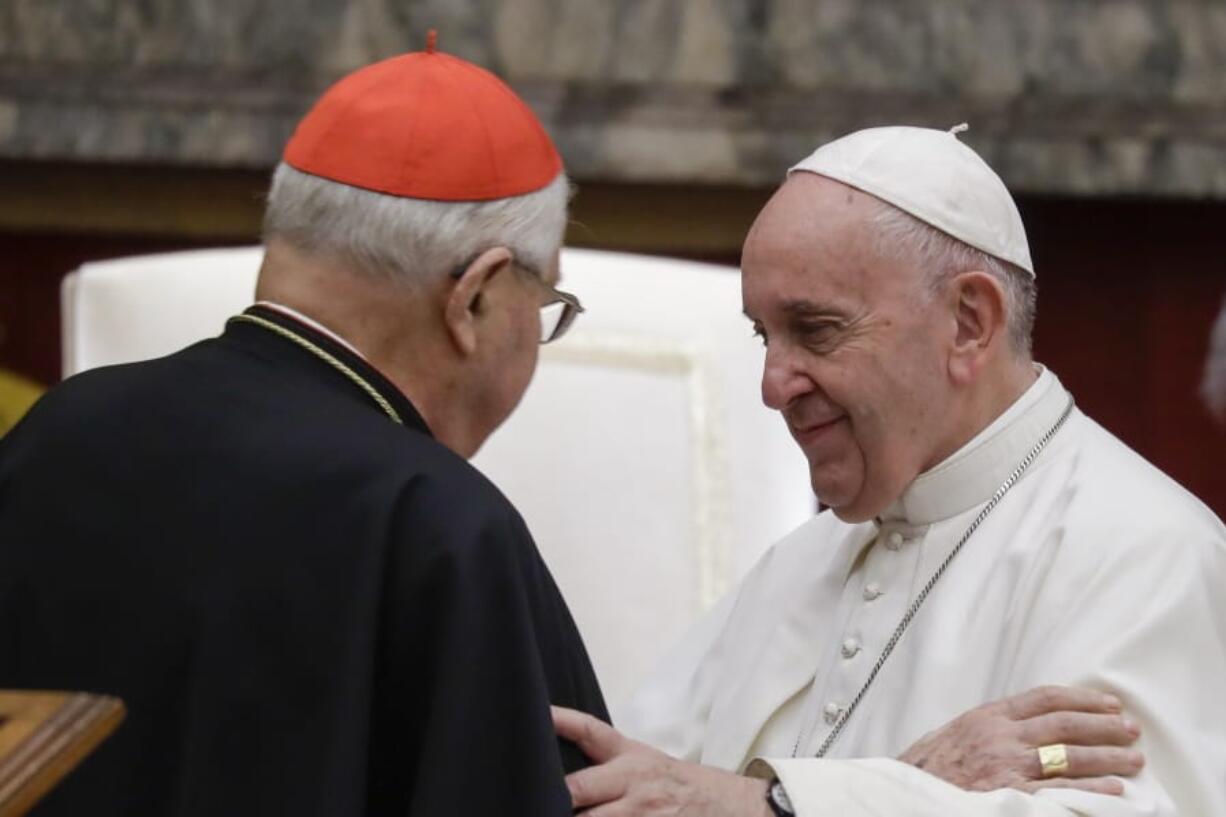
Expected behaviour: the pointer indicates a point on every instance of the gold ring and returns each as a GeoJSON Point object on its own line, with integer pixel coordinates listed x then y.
{"type": "Point", "coordinates": [1053, 759]}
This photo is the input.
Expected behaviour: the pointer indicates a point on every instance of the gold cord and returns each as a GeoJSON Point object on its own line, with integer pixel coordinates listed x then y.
{"type": "Point", "coordinates": [356, 378]}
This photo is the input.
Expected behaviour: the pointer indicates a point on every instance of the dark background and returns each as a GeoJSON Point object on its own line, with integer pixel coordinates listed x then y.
{"type": "Point", "coordinates": [1128, 287]}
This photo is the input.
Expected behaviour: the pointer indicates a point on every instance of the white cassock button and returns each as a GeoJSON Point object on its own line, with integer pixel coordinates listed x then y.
{"type": "Point", "coordinates": [894, 541]}
{"type": "Point", "coordinates": [831, 712]}
{"type": "Point", "coordinates": [850, 647]}
{"type": "Point", "coordinates": [871, 591]}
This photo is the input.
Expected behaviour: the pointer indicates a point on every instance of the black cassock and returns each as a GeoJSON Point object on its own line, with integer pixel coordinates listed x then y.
{"type": "Point", "coordinates": [307, 608]}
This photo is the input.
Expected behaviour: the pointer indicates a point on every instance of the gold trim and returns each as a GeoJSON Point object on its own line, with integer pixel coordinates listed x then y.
{"type": "Point", "coordinates": [357, 379]}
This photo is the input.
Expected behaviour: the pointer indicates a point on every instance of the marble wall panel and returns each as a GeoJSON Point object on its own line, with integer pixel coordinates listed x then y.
{"type": "Point", "coordinates": [1065, 96]}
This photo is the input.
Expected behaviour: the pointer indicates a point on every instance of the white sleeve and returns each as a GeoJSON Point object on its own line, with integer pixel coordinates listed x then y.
{"type": "Point", "coordinates": [669, 711]}
{"type": "Point", "coordinates": [672, 709]}
{"type": "Point", "coordinates": [878, 787]}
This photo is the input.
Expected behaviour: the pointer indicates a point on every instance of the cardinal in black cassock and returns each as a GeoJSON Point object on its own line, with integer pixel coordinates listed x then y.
{"type": "Point", "coordinates": [308, 608]}
{"type": "Point", "coordinates": [309, 604]}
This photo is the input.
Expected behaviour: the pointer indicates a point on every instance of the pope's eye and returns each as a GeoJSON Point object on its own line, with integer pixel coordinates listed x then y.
{"type": "Point", "coordinates": [816, 331]}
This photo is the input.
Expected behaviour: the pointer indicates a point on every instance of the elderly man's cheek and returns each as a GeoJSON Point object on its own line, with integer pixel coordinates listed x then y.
{"type": "Point", "coordinates": [837, 473]}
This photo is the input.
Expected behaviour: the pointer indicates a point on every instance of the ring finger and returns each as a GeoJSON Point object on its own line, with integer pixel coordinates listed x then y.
{"type": "Point", "coordinates": [1095, 761]}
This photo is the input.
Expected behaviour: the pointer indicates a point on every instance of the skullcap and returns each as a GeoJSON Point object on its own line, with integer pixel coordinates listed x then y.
{"type": "Point", "coordinates": [933, 176]}
{"type": "Point", "coordinates": [425, 125]}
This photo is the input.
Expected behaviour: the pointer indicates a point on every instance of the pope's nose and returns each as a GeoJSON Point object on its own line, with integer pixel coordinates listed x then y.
{"type": "Point", "coordinates": [782, 382]}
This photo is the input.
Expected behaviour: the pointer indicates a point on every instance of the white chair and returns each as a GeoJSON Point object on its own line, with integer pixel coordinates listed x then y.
{"type": "Point", "coordinates": [641, 457]}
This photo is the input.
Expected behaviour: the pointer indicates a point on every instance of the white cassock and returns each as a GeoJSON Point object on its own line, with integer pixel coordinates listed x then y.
{"type": "Point", "coordinates": [1096, 570]}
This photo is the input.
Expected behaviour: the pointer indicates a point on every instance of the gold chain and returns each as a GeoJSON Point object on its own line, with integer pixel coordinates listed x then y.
{"type": "Point", "coordinates": [357, 379]}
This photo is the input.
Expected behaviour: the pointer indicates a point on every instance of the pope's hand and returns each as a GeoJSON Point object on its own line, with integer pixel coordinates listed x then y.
{"type": "Point", "coordinates": [995, 746]}
{"type": "Point", "coordinates": [631, 778]}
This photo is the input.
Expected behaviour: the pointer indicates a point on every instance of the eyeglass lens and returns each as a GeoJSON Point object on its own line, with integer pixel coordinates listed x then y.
{"type": "Point", "coordinates": [556, 317]}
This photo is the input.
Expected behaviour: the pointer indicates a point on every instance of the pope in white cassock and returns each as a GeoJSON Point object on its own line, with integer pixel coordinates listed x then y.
{"type": "Point", "coordinates": [983, 537]}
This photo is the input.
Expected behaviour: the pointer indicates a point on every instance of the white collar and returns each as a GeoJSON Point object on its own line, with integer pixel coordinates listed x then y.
{"type": "Point", "coordinates": [290, 312]}
{"type": "Point", "coordinates": [970, 475]}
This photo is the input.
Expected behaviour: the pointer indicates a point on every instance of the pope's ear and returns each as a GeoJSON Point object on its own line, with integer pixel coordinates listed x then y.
{"type": "Point", "coordinates": [977, 301]}
{"type": "Point", "coordinates": [466, 302]}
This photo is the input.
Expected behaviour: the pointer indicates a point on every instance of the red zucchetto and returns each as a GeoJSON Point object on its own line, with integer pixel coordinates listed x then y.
{"type": "Point", "coordinates": [425, 125]}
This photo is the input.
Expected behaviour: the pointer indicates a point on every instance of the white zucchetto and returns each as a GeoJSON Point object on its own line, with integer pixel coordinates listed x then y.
{"type": "Point", "coordinates": [933, 176]}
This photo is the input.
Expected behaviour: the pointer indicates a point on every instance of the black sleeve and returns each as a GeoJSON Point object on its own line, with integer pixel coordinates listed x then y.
{"type": "Point", "coordinates": [461, 721]}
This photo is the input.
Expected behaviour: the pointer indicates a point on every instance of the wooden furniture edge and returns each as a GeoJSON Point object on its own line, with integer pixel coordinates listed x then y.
{"type": "Point", "coordinates": [54, 749]}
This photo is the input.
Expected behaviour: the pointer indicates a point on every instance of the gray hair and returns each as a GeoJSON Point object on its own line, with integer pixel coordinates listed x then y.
{"type": "Point", "coordinates": [411, 240]}
{"type": "Point", "coordinates": [903, 237]}
{"type": "Point", "coordinates": [1213, 388]}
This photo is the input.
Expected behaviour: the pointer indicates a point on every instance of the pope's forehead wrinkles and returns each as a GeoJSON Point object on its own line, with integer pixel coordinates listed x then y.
{"type": "Point", "coordinates": [803, 308]}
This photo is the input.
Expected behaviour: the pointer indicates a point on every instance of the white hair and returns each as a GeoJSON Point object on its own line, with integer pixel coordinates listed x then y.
{"type": "Point", "coordinates": [1213, 388]}
{"type": "Point", "coordinates": [412, 240]}
{"type": "Point", "coordinates": [939, 256]}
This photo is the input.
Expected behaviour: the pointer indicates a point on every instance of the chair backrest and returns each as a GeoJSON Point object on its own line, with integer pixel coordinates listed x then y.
{"type": "Point", "coordinates": [641, 457]}
{"type": "Point", "coordinates": [147, 306]}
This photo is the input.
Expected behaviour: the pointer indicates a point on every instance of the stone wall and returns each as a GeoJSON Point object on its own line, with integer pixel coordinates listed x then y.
{"type": "Point", "coordinates": [1063, 96]}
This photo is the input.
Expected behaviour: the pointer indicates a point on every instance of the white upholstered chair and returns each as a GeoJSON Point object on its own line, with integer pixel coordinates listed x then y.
{"type": "Point", "coordinates": [641, 457]}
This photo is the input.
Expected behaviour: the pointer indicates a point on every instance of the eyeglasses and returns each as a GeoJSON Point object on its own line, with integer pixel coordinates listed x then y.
{"type": "Point", "coordinates": [557, 313]}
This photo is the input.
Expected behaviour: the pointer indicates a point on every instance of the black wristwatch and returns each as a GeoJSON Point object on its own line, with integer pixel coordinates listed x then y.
{"type": "Point", "coordinates": [778, 800]}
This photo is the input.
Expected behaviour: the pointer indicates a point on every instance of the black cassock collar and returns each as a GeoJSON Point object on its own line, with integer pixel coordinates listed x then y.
{"type": "Point", "coordinates": [245, 330]}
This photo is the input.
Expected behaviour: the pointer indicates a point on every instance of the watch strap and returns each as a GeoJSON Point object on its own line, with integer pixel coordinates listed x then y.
{"type": "Point", "coordinates": [778, 801]}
